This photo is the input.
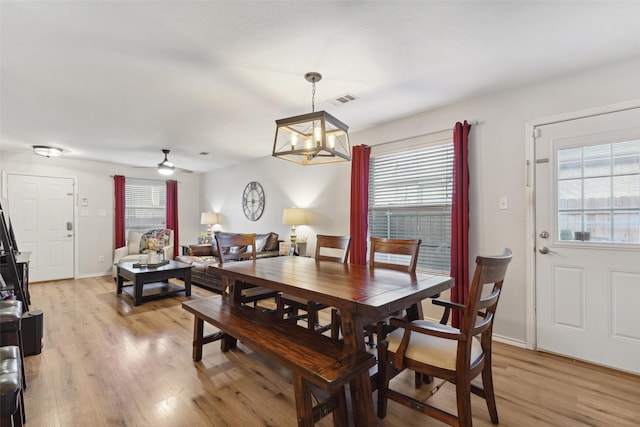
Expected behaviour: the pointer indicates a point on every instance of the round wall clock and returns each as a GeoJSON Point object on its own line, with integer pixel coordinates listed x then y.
{"type": "Point", "coordinates": [253, 201]}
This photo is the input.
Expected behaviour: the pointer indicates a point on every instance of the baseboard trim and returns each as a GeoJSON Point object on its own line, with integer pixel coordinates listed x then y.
{"type": "Point", "coordinates": [510, 341]}
{"type": "Point", "coordinates": [87, 276]}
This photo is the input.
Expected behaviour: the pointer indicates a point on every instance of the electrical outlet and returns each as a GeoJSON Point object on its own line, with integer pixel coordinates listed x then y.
{"type": "Point", "coordinates": [503, 202]}
{"type": "Point", "coordinates": [101, 258]}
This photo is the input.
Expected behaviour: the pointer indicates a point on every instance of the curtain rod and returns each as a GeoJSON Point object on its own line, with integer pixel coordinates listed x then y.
{"type": "Point", "coordinates": [149, 179]}
{"type": "Point", "coordinates": [471, 122]}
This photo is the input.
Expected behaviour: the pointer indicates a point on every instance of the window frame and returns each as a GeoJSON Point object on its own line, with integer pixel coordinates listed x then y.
{"type": "Point", "coordinates": [156, 201]}
{"type": "Point", "coordinates": [435, 250]}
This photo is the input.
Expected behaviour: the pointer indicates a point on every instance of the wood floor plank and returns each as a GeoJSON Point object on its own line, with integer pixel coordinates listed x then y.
{"type": "Point", "coordinates": [106, 362]}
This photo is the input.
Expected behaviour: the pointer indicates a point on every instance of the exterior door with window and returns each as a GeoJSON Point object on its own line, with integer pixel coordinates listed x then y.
{"type": "Point", "coordinates": [41, 211]}
{"type": "Point", "coordinates": [588, 239]}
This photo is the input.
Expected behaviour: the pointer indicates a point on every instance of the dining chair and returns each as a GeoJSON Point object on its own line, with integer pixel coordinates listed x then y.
{"type": "Point", "coordinates": [457, 355]}
{"type": "Point", "coordinates": [328, 248]}
{"type": "Point", "coordinates": [395, 254]}
{"type": "Point", "coordinates": [238, 247]}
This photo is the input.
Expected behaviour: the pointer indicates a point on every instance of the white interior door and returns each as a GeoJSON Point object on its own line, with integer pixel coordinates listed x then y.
{"type": "Point", "coordinates": [41, 210]}
{"type": "Point", "coordinates": [588, 239]}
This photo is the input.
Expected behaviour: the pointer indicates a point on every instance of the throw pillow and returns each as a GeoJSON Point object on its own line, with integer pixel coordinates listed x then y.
{"type": "Point", "coordinates": [200, 250]}
{"type": "Point", "coordinates": [261, 242]}
{"type": "Point", "coordinates": [153, 240]}
{"type": "Point", "coordinates": [133, 242]}
{"type": "Point", "coordinates": [272, 242]}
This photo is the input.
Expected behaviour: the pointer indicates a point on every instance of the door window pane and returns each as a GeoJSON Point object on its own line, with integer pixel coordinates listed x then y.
{"type": "Point", "coordinates": [598, 193]}
{"type": "Point", "coordinates": [626, 190]}
{"type": "Point", "coordinates": [570, 194]}
{"type": "Point", "coordinates": [627, 229]}
{"type": "Point", "coordinates": [626, 157]}
{"type": "Point", "coordinates": [570, 163]}
{"type": "Point", "coordinates": [597, 160]}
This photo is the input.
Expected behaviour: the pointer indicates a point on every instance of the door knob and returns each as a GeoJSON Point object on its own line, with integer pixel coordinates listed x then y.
{"type": "Point", "coordinates": [544, 250]}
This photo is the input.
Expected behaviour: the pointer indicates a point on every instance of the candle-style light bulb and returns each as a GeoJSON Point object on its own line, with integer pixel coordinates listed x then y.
{"type": "Point", "coordinates": [331, 141]}
{"type": "Point", "coordinates": [294, 141]}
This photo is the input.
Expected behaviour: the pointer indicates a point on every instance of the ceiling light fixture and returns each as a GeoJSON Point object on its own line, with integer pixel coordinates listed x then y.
{"type": "Point", "coordinates": [165, 167]}
{"type": "Point", "coordinates": [312, 138]}
{"type": "Point", "coordinates": [47, 151]}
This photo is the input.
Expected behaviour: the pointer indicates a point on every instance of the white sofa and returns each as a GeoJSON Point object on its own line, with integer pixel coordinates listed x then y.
{"type": "Point", "coordinates": [132, 252]}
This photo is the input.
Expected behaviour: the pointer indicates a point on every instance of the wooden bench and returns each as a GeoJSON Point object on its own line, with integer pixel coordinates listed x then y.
{"type": "Point", "coordinates": [313, 358]}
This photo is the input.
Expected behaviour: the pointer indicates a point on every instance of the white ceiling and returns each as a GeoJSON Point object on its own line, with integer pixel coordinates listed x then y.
{"type": "Point", "coordinates": [120, 80]}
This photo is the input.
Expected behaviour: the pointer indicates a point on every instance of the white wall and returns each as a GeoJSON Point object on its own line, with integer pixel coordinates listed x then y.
{"type": "Point", "coordinates": [323, 190]}
{"type": "Point", "coordinates": [497, 167]}
{"type": "Point", "coordinates": [94, 236]}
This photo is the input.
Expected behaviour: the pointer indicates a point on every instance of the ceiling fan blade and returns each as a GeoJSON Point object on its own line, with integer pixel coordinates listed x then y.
{"type": "Point", "coordinates": [166, 163]}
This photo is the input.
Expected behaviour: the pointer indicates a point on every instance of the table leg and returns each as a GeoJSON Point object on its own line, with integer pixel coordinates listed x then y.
{"type": "Point", "coordinates": [304, 405]}
{"type": "Point", "coordinates": [414, 312]}
{"type": "Point", "coordinates": [137, 290]}
{"type": "Point", "coordinates": [187, 282]}
{"type": "Point", "coordinates": [232, 291]}
{"type": "Point", "coordinates": [362, 401]}
{"type": "Point", "coordinates": [198, 334]}
{"type": "Point", "coordinates": [361, 392]}
{"type": "Point", "coordinates": [120, 282]}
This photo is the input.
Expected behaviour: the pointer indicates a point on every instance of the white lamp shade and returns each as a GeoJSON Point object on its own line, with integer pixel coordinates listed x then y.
{"type": "Point", "coordinates": [209, 218]}
{"type": "Point", "coordinates": [293, 216]}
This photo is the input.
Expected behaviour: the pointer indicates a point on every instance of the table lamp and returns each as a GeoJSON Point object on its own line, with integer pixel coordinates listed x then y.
{"type": "Point", "coordinates": [209, 219]}
{"type": "Point", "coordinates": [293, 217]}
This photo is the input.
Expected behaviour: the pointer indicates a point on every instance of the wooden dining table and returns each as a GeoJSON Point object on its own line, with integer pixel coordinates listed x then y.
{"type": "Point", "coordinates": [362, 295]}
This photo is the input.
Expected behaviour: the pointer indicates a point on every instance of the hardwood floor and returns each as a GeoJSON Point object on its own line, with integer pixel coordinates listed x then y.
{"type": "Point", "coordinates": [105, 362]}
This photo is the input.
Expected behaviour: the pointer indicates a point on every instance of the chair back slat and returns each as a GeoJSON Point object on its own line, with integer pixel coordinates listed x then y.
{"type": "Point", "coordinates": [391, 251]}
{"type": "Point", "coordinates": [482, 324]}
{"type": "Point", "coordinates": [489, 300]}
{"type": "Point", "coordinates": [337, 248]}
{"type": "Point", "coordinates": [230, 247]}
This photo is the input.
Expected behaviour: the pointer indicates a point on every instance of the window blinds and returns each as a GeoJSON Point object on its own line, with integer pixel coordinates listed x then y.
{"type": "Point", "coordinates": [410, 197]}
{"type": "Point", "coordinates": [145, 204]}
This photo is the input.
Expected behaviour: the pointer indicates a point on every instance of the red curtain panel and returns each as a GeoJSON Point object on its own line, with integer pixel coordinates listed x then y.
{"type": "Point", "coordinates": [460, 219]}
{"type": "Point", "coordinates": [172, 213]}
{"type": "Point", "coordinates": [119, 237]}
{"type": "Point", "coordinates": [359, 203]}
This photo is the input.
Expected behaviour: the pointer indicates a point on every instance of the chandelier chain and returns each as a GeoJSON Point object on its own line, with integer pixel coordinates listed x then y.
{"type": "Point", "coordinates": [313, 97]}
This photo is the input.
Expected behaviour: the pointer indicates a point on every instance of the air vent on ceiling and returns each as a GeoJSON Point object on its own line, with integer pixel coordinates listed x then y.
{"type": "Point", "coordinates": [343, 99]}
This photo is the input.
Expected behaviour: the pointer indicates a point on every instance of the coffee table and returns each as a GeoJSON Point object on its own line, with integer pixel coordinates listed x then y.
{"type": "Point", "coordinates": [153, 282]}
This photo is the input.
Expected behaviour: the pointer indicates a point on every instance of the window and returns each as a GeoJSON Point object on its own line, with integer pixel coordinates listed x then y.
{"type": "Point", "coordinates": [599, 193]}
{"type": "Point", "coordinates": [145, 205]}
{"type": "Point", "coordinates": [410, 197]}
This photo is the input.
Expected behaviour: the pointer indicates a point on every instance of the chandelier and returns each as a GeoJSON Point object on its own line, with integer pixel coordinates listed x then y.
{"type": "Point", "coordinates": [312, 138]}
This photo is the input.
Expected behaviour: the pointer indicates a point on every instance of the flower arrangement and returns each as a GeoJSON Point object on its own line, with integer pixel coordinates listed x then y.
{"type": "Point", "coordinates": [153, 244]}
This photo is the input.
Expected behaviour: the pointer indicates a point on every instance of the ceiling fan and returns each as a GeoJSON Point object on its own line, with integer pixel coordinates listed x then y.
{"type": "Point", "coordinates": [165, 167]}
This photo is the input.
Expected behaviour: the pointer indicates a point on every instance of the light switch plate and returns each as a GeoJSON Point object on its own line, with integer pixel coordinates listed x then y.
{"type": "Point", "coordinates": [503, 202]}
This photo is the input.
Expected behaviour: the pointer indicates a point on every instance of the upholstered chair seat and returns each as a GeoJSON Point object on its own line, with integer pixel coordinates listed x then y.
{"type": "Point", "coordinates": [434, 351]}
